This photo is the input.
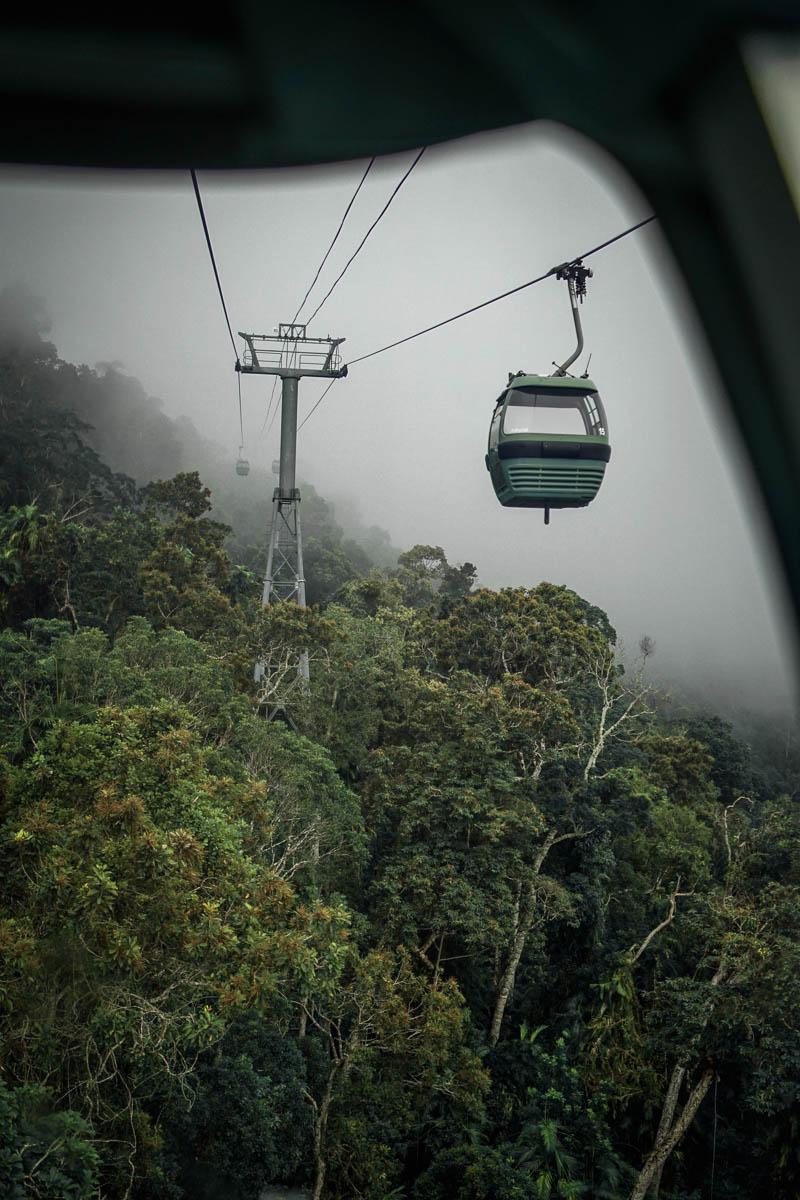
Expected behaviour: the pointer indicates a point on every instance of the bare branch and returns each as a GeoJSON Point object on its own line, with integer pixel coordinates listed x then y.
{"type": "Point", "coordinates": [636, 954]}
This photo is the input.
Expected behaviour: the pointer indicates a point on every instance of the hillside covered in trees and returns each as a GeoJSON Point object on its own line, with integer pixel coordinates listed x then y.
{"type": "Point", "coordinates": [477, 916]}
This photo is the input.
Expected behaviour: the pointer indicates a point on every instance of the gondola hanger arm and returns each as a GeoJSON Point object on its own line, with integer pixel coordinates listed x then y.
{"type": "Point", "coordinates": [575, 274]}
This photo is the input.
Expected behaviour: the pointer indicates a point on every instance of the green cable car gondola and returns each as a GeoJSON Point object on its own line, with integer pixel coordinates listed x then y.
{"type": "Point", "coordinates": [548, 439]}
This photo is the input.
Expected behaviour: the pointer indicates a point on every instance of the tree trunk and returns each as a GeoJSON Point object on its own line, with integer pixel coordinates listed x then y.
{"type": "Point", "coordinates": [655, 1160]}
{"type": "Point", "coordinates": [667, 1117]}
{"type": "Point", "coordinates": [600, 736]}
{"type": "Point", "coordinates": [510, 972]}
{"type": "Point", "coordinates": [320, 1129]}
{"type": "Point", "coordinates": [524, 924]}
{"type": "Point", "coordinates": [329, 729]}
{"type": "Point", "coordinates": [675, 1081]}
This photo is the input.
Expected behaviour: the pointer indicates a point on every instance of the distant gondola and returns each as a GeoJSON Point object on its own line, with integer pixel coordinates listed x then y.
{"type": "Point", "coordinates": [548, 438]}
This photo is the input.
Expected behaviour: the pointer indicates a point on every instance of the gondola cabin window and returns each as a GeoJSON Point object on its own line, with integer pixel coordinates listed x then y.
{"type": "Point", "coordinates": [530, 411]}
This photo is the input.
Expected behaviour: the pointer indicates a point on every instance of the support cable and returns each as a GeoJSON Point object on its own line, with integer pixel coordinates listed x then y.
{"type": "Point", "coordinates": [241, 424]}
{"type": "Point", "coordinates": [616, 238]}
{"type": "Point", "coordinates": [449, 320]}
{"type": "Point", "coordinates": [361, 244]}
{"type": "Point", "coordinates": [502, 296]}
{"type": "Point", "coordinates": [300, 307]}
{"type": "Point", "coordinates": [485, 303]}
{"type": "Point", "coordinates": [214, 263]}
{"type": "Point", "coordinates": [266, 427]}
{"type": "Point", "coordinates": [351, 202]}
{"type": "Point", "coordinates": [311, 411]}
{"type": "Point", "coordinates": [199, 199]}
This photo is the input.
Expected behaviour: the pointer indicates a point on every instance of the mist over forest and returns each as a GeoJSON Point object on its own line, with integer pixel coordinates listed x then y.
{"type": "Point", "coordinates": [134, 437]}
{"type": "Point", "coordinates": [133, 433]}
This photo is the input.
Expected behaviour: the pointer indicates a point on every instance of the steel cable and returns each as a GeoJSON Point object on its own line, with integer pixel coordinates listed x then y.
{"type": "Point", "coordinates": [363, 241]}
{"type": "Point", "coordinates": [266, 427]}
{"type": "Point", "coordinates": [502, 296]}
{"type": "Point", "coordinates": [484, 304]}
{"type": "Point", "coordinates": [199, 199]}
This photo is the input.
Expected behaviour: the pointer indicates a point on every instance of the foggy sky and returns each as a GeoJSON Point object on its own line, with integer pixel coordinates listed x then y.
{"type": "Point", "coordinates": [674, 545]}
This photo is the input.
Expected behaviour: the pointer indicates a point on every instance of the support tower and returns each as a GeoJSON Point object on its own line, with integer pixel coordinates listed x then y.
{"type": "Point", "coordinates": [291, 354]}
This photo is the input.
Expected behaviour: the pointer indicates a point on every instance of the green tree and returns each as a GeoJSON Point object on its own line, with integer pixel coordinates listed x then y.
{"type": "Point", "coordinates": [137, 917]}
{"type": "Point", "coordinates": [245, 1122]}
{"type": "Point", "coordinates": [44, 1153]}
{"type": "Point", "coordinates": [391, 1043]}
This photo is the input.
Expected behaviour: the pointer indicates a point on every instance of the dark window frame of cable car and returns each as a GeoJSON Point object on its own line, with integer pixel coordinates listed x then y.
{"type": "Point", "coordinates": [547, 395]}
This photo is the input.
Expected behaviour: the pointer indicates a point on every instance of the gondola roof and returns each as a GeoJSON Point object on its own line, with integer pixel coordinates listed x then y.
{"type": "Point", "coordinates": [552, 381]}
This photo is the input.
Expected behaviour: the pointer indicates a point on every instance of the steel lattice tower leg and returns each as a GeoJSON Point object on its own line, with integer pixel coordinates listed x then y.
{"type": "Point", "coordinates": [284, 578]}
